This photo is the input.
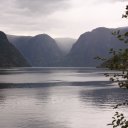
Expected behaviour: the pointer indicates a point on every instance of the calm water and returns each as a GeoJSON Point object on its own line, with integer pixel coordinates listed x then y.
{"type": "Point", "coordinates": [57, 98]}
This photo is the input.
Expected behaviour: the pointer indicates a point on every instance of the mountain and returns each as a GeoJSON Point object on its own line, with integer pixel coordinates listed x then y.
{"type": "Point", "coordinates": [19, 42]}
{"type": "Point", "coordinates": [91, 44]}
{"type": "Point", "coordinates": [65, 44]}
{"type": "Point", "coordinates": [9, 55]}
{"type": "Point", "coordinates": [40, 50]}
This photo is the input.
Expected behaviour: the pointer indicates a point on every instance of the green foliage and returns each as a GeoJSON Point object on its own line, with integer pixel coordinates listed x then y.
{"type": "Point", "coordinates": [126, 13]}
{"type": "Point", "coordinates": [119, 62]}
{"type": "Point", "coordinates": [119, 121]}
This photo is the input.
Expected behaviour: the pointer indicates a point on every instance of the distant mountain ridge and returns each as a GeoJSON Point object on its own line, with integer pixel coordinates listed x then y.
{"type": "Point", "coordinates": [9, 55]}
{"type": "Point", "coordinates": [91, 44]}
{"type": "Point", "coordinates": [42, 50]}
{"type": "Point", "coordinates": [64, 44]}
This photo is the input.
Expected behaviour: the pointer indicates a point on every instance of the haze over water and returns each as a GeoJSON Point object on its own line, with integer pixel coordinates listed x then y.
{"type": "Point", "coordinates": [57, 98]}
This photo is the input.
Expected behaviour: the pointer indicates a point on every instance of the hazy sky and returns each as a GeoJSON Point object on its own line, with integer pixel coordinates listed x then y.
{"type": "Point", "coordinates": [60, 18]}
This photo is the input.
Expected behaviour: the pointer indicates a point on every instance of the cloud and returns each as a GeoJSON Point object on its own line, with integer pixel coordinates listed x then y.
{"type": "Point", "coordinates": [109, 1]}
{"type": "Point", "coordinates": [32, 7]}
{"type": "Point", "coordinates": [26, 16]}
{"type": "Point", "coordinates": [105, 1]}
{"type": "Point", "coordinates": [43, 7]}
{"type": "Point", "coordinates": [58, 17]}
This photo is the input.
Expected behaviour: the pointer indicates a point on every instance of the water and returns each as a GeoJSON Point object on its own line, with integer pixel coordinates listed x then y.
{"type": "Point", "coordinates": [57, 98]}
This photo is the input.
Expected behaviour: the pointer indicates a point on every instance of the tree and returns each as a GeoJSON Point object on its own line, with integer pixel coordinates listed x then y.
{"type": "Point", "coordinates": [119, 59]}
{"type": "Point", "coordinates": [119, 62]}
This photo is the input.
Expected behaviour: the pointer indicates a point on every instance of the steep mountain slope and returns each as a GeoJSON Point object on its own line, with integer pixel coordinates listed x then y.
{"type": "Point", "coordinates": [19, 42]}
{"type": "Point", "coordinates": [40, 50]}
{"type": "Point", "coordinates": [9, 55]}
{"type": "Point", "coordinates": [92, 44]}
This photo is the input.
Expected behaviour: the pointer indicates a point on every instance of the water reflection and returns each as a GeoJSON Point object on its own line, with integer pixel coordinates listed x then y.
{"type": "Point", "coordinates": [35, 123]}
{"type": "Point", "coordinates": [43, 94]}
{"type": "Point", "coordinates": [58, 106]}
{"type": "Point", "coordinates": [56, 98]}
{"type": "Point", "coordinates": [102, 97]}
{"type": "Point", "coordinates": [50, 75]}
{"type": "Point", "coordinates": [36, 85]}
{"type": "Point", "coordinates": [2, 96]}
